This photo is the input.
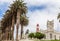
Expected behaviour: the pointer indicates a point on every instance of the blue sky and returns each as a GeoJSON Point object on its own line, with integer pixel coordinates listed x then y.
{"type": "Point", "coordinates": [3, 8]}
{"type": "Point", "coordinates": [33, 8]}
{"type": "Point", "coordinates": [5, 5]}
{"type": "Point", "coordinates": [39, 11]}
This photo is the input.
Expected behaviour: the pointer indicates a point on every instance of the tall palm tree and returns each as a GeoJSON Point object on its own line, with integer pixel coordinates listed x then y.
{"type": "Point", "coordinates": [6, 21]}
{"type": "Point", "coordinates": [17, 9]}
{"type": "Point", "coordinates": [20, 8]}
{"type": "Point", "coordinates": [23, 22]}
{"type": "Point", "coordinates": [58, 17]}
{"type": "Point", "coordinates": [0, 31]}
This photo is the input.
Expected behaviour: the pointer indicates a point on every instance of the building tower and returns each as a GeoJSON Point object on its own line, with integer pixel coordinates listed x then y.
{"type": "Point", "coordinates": [37, 28]}
{"type": "Point", "coordinates": [50, 25]}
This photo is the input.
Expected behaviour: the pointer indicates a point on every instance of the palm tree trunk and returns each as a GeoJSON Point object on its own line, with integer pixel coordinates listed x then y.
{"type": "Point", "coordinates": [6, 33]}
{"type": "Point", "coordinates": [17, 24]}
{"type": "Point", "coordinates": [9, 31]}
{"type": "Point", "coordinates": [12, 28]}
{"type": "Point", "coordinates": [21, 30]}
{"type": "Point", "coordinates": [17, 33]}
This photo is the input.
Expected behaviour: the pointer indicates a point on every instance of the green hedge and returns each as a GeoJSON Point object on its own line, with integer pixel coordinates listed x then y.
{"type": "Point", "coordinates": [36, 35]}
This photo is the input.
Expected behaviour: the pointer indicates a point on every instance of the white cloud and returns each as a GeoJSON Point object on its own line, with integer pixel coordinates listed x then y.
{"type": "Point", "coordinates": [39, 2]}
{"type": "Point", "coordinates": [41, 17]}
{"type": "Point", "coordinates": [8, 1]}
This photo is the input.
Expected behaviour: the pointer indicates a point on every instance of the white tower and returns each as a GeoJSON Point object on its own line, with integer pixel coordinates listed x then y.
{"type": "Point", "coordinates": [50, 25]}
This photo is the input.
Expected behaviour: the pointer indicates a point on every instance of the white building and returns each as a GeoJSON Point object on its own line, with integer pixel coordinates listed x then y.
{"type": "Point", "coordinates": [50, 33]}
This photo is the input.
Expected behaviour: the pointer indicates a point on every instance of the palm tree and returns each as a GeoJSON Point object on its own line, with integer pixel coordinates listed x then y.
{"type": "Point", "coordinates": [0, 31]}
{"type": "Point", "coordinates": [6, 21]}
{"type": "Point", "coordinates": [58, 17]}
{"type": "Point", "coordinates": [23, 22]}
{"type": "Point", "coordinates": [17, 9]}
{"type": "Point", "coordinates": [27, 31]}
{"type": "Point", "coordinates": [20, 8]}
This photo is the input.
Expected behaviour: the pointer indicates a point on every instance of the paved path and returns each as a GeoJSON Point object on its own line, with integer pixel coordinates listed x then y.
{"type": "Point", "coordinates": [26, 40]}
{"type": "Point", "coordinates": [21, 40]}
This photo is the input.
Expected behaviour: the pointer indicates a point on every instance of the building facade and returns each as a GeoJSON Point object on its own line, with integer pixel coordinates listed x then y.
{"type": "Point", "coordinates": [50, 33]}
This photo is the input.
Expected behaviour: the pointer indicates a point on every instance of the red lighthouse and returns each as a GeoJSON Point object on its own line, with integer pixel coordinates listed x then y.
{"type": "Point", "coordinates": [37, 28]}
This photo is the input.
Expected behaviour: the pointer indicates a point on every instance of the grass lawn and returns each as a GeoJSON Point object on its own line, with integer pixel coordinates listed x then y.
{"type": "Point", "coordinates": [46, 40]}
{"type": "Point", "coordinates": [49, 40]}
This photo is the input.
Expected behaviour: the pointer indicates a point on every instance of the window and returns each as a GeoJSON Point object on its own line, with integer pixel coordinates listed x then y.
{"type": "Point", "coordinates": [50, 36]}
{"type": "Point", "coordinates": [55, 37]}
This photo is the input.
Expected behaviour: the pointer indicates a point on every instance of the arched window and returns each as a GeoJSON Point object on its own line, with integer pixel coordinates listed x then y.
{"type": "Point", "coordinates": [50, 36]}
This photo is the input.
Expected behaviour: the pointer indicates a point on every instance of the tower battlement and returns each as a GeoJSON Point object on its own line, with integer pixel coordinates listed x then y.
{"type": "Point", "coordinates": [50, 25]}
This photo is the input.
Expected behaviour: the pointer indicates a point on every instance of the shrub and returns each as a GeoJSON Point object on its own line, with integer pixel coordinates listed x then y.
{"type": "Point", "coordinates": [39, 35]}
{"type": "Point", "coordinates": [36, 35]}
{"type": "Point", "coordinates": [31, 35]}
